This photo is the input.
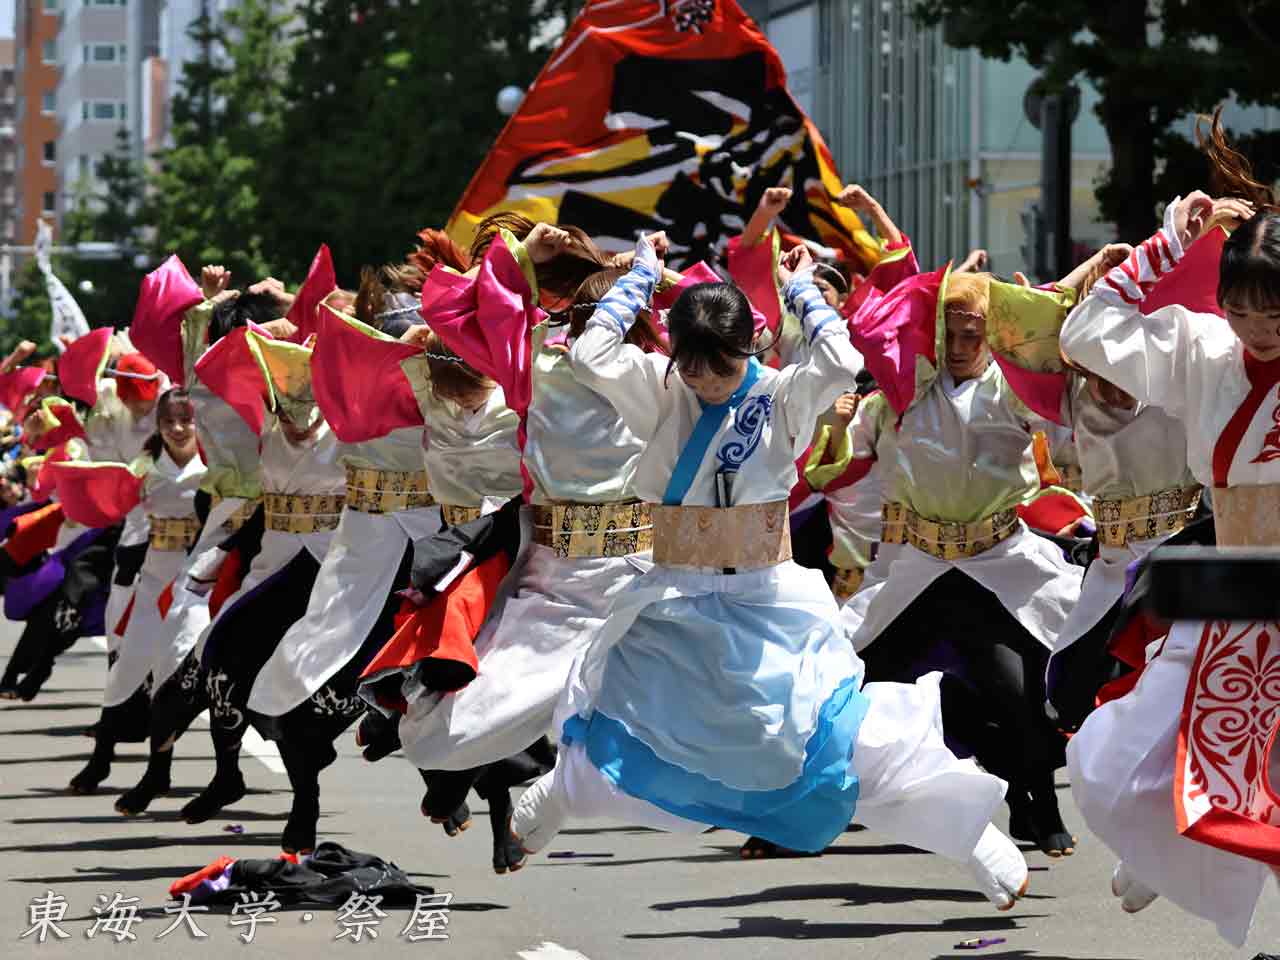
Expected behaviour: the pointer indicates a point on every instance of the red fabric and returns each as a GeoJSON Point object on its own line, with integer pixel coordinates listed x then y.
{"type": "Point", "coordinates": [231, 574]}
{"type": "Point", "coordinates": [230, 370]}
{"type": "Point", "coordinates": [69, 427]}
{"type": "Point", "coordinates": [133, 388]}
{"type": "Point", "coordinates": [444, 629]}
{"type": "Point", "coordinates": [16, 386]}
{"type": "Point", "coordinates": [321, 281]}
{"type": "Point", "coordinates": [166, 294]}
{"type": "Point", "coordinates": [45, 482]}
{"type": "Point", "coordinates": [1193, 283]}
{"type": "Point", "coordinates": [856, 470]}
{"type": "Point", "coordinates": [165, 600]}
{"type": "Point", "coordinates": [751, 268]}
{"type": "Point", "coordinates": [1051, 512]}
{"type": "Point", "coordinates": [123, 625]}
{"type": "Point", "coordinates": [34, 533]}
{"type": "Point", "coordinates": [635, 56]}
{"type": "Point", "coordinates": [1117, 688]}
{"type": "Point", "coordinates": [99, 495]}
{"type": "Point", "coordinates": [80, 363]}
{"type": "Point", "coordinates": [1262, 377]}
{"type": "Point", "coordinates": [801, 491]}
{"type": "Point", "coordinates": [192, 880]}
{"type": "Point", "coordinates": [1230, 722]}
{"type": "Point", "coordinates": [357, 380]}
{"type": "Point", "coordinates": [1129, 645]}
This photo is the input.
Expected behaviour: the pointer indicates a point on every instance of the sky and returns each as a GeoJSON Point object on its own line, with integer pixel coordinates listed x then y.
{"type": "Point", "coordinates": [6, 17]}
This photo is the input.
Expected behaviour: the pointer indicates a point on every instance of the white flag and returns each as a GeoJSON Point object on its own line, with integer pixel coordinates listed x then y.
{"type": "Point", "coordinates": [68, 318]}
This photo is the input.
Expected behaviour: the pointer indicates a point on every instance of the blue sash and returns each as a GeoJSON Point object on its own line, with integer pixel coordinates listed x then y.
{"type": "Point", "coordinates": [704, 431]}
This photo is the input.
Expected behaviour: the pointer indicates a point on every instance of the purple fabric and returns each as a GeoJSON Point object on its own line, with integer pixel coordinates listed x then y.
{"type": "Point", "coordinates": [24, 594]}
{"type": "Point", "coordinates": [215, 634]}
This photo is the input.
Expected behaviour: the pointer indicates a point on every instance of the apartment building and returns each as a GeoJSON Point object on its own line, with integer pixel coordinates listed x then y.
{"type": "Point", "coordinates": [8, 142]}
{"type": "Point", "coordinates": [35, 114]}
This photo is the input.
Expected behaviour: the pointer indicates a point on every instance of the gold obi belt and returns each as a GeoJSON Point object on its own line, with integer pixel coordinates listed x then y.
{"type": "Point", "coordinates": [746, 537]}
{"type": "Point", "coordinates": [893, 522]}
{"type": "Point", "coordinates": [956, 541]}
{"type": "Point", "coordinates": [302, 512]}
{"type": "Point", "coordinates": [594, 529]}
{"type": "Point", "coordinates": [1247, 516]}
{"type": "Point", "coordinates": [847, 582]}
{"type": "Point", "coordinates": [237, 519]}
{"type": "Point", "coordinates": [386, 491]}
{"type": "Point", "coordinates": [455, 515]}
{"type": "Point", "coordinates": [173, 533]}
{"type": "Point", "coordinates": [1142, 518]}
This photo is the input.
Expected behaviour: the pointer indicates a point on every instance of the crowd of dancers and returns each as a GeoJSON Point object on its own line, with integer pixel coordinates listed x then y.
{"type": "Point", "coordinates": [766, 545]}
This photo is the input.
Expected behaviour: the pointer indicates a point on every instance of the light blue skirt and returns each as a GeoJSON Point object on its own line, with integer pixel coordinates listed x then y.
{"type": "Point", "coordinates": [731, 700]}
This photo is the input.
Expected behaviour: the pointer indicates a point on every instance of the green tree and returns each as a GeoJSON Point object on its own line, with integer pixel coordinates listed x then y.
{"type": "Point", "coordinates": [32, 312]}
{"type": "Point", "coordinates": [1150, 62]}
{"type": "Point", "coordinates": [389, 113]}
{"type": "Point", "coordinates": [205, 191]}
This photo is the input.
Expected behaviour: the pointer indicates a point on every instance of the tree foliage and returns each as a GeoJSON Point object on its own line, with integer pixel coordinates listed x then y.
{"type": "Point", "coordinates": [1151, 62]}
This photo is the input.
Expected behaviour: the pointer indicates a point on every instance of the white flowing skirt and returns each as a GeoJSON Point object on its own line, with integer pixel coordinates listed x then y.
{"type": "Point", "coordinates": [526, 650]}
{"type": "Point", "coordinates": [1028, 573]}
{"type": "Point", "coordinates": [147, 646]}
{"type": "Point", "coordinates": [1123, 762]}
{"type": "Point", "coordinates": [349, 594]}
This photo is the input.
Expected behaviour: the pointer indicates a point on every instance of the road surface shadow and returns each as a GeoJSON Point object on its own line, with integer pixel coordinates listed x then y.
{"type": "Point", "coordinates": [218, 839]}
{"type": "Point", "coordinates": [853, 895]}
{"type": "Point", "coordinates": [785, 928]}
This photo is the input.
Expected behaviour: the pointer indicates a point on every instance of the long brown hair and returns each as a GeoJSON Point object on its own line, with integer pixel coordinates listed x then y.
{"type": "Point", "coordinates": [644, 332]}
{"type": "Point", "coordinates": [435, 247]}
{"type": "Point", "coordinates": [375, 285]}
{"type": "Point", "coordinates": [450, 377]}
{"type": "Point", "coordinates": [1230, 172]}
{"type": "Point", "coordinates": [558, 278]}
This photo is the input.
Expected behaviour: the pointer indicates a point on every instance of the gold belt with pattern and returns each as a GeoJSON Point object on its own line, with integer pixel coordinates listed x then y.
{"type": "Point", "coordinates": [386, 491]}
{"type": "Point", "coordinates": [456, 515]}
{"type": "Point", "coordinates": [173, 533]}
{"type": "Point", "coordinates": [302, 512]}
{"type": "Point", "coordinates": [847, 582]}
{"type": "Point", "coordinates": [745, 537]}
{"type": "Point", "coordinates": [956, 541]}
{"type": "Point", "coordinates": [594, 529]}
{"type": "Point", "coordinates": [241, 516]}
{"type": "Point", "coordinates": [1142, 518]}
{"type": "Point", "coordinates": [893, 522]}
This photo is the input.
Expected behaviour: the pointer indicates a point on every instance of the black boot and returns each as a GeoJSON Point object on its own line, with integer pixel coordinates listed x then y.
{"type": "Point", "coordinates": [227, 786]}
{"type": "Point", "coordinates": [154, 783]}
{"type": "Point", "coordinates": [97, 769]}
{"type": "Point", "coordinates": [508, 856]}
{"type": "Point", "coordinates": [445, 800]}
{"type": "Point", "coordinates": [377, 735]}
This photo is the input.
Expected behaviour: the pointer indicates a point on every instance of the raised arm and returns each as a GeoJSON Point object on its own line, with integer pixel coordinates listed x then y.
{"type": "Point", "coordinates": [622, 373]}
{"type": "Point", "coordinates": [1145, 355]}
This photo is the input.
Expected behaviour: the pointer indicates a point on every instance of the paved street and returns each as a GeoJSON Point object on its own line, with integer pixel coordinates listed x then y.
{"type": "Point", "coordinates": [625, 892]}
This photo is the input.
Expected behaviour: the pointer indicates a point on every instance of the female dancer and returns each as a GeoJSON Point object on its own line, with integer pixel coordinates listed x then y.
{"type": "Point", "coordinates": [719, 692]}
{"type": "Point", "coordinates": [1178, 776]}
{"type": "Point", "coordinates": [164, 481]}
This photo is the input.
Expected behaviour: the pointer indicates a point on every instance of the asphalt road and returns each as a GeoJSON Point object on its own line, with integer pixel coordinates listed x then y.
{"type": "Point", "coordinates": [614, 892]}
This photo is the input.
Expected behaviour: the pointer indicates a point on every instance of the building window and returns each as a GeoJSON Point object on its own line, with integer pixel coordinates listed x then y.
{"type": "Point", "coordinates": [50, 151]}
{"type": "Point", "coordinates": [102, 110]}
{"type": "Point", "coordinates": [50, 203]}
{"type": "Point", "coordinates": [49, 52]}
{"type": "Point", "coordinates": [103, 53]}
{"type": "Point", "coordinates": [49, 102]}
{"type": "Point", "coordinates": [50, 6]}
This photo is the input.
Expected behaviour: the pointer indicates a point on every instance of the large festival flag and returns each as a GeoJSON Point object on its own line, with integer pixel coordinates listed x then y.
{"type": "Point", "coordinates": [663, 115]}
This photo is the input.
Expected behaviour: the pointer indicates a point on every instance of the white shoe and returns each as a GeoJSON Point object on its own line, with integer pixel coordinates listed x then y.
{"type": "Point", "coordinates": [539, 815]}
{"type": "Point", "coordinates": [1133, 893]}
{"type": "Point", "coordinates": [1000, 869]}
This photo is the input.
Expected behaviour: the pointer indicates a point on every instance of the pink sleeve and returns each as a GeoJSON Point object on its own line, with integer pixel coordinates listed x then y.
{"type": "Point", "coordinates": [167, 293]}
{"type": "Point", "coordinates": [15, 386]}
{"type": "Point", "coordinates": [898, 264]}
{"type": "Point", "coordinates": [96, 494]}
{"type": "Point", "coordinates": [321, 281]}
{"type": "Point", "coordinates": [82, 363]}
{"type": "Point", "coordinates": [230, 371]}
{"type": "Point", "coordinates": [358, 382]}
{"type": "Point", "coordinates": [488, 320]}
{"type": "Point", "coordinates": [751, 268]}
{"type": "Point", "coordinates": [68, 426]}
{"type": "Point", "coordinates": [892, 329]}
